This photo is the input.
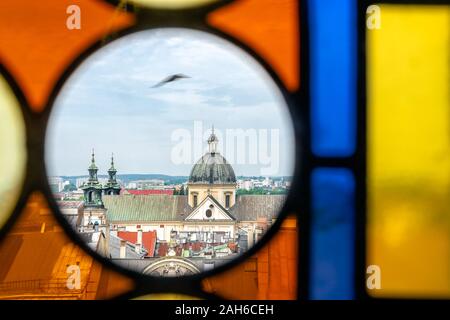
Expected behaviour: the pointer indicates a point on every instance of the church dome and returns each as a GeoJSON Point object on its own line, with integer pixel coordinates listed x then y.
{"type": "Point", "coordinates": [212, 167]}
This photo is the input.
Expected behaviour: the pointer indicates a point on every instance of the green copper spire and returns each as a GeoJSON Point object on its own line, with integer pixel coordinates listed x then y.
{"type": "Point", "coordinates": [112, 162]}
{"type": "Point", "coordinates": [92, 188]}
{"type": "Point", "coordinates": [93, 168]}
{"type": "Point", "coordinates": [112, 187]}
{"type": "Point", "coordinates": [112, 171]}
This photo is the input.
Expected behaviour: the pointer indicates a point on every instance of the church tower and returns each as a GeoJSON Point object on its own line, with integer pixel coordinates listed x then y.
{"type": "Point", "coordinates": [212, 176]}
{"type": "Point", "coordinates": [92, 188]}
{"type": "Point", "coordinates": [94, 213]}
{"type": "Point", "coordinates": [112, 187]}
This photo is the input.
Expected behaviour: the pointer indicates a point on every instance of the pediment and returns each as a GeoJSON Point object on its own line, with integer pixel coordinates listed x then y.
{"type": "Point", "coordinates": [210, 210]}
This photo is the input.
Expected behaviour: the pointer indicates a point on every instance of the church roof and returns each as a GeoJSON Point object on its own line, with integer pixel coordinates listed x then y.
{"type": "Point", "coordinates": [254, 207]}
{"type": "Point", "coordinates": [148, 240]}
{"type": "Point", "coordinates": [148, 208]}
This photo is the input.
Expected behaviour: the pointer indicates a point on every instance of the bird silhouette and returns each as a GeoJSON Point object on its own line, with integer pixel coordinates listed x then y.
{"type": "Point", "coordinates": [174, 77]}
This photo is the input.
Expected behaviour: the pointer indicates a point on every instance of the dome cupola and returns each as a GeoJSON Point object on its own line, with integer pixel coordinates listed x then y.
{"type": "Point", "coordinates": [212, 168]}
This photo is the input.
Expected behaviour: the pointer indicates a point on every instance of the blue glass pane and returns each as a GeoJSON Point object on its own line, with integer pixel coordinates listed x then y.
{"type": "Point", "coordinates": [332, 234]}
{"type": "Point", "coordinates": [333, 76]}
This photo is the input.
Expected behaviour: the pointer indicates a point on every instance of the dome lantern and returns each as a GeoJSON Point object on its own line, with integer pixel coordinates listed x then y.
{"type": "Point", "coordinates": [212, 142]}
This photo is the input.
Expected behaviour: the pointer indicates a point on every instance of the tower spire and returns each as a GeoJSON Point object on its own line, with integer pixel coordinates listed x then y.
{"type": "Point", "coordinates": [92, 188]}
{"type": "Point", "coordinates": [93, 168]}
{"type": "Point", "coordinates": [112, 187]}
{"type": "Point", "coordinates": [112, 171]}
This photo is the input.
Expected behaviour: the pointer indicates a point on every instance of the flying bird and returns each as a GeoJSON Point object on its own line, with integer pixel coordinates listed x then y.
{"type": "Point", "coordinates": [174, 77]}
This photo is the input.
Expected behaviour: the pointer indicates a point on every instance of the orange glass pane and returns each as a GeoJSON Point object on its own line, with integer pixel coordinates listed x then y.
{"type": "Point", "coordinates": [270, 274]}
{"type": "Point", "coordinates": [166, 296]}
{"type": "Point", "coordinates": [270, 27]}
{"type": "Point", "coordinates": [37, 46]}
{"type": "Point", "coordinates": [40, 262]}
{"type": "Point", "coordinates": [170, 4]}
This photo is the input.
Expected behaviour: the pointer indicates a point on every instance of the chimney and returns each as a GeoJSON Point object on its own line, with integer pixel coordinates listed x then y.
{"type": "Point", "coordinates": [108, 239]}
{"type": "Point", "coordinates": [123, 249]}
{"type": "Point", "coordinates": [138, 248]}
{"type": "Point", "coordinates": [250, 238]}
{"type": "Point", "coordinates": [258, 234]}
{"type": "Point", "coordinates": [139, 236]}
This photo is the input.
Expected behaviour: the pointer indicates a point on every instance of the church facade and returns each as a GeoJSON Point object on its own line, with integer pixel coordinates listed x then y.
{"type": "Point", "coordinates": [210, 222]}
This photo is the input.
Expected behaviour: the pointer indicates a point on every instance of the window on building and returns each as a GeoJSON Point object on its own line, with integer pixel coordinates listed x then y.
{"type": "Point", "coordinates": [227, 201]}
{"type": "Point", "coordinates": [195, 200]}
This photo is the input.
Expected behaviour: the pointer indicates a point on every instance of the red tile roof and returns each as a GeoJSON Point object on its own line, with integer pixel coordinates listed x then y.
{"type": "Point", "coordinates": [197, 246]}
{"type": "Point", "coordinates": [163, 249]}
{"type": "Point", "coordinates": [232, 246]}
{"type": "Point", "coordinates": [168, 192]}
{"type": "Point", "coordinates": [148, 240]}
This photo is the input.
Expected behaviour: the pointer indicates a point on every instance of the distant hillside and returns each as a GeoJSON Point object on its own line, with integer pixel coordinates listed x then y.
{"type": "Point", "coordinates": [277, 178]}
{"type": "Point", "coordinates": [126, 178]}
{"type": "Point", "coordinates": [170, 179]}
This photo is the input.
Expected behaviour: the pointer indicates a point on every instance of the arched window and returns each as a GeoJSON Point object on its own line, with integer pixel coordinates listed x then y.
{"type": "Point", "coordinates": [195, 200]}
{"type": "Point", "coordinates": [227, 201]}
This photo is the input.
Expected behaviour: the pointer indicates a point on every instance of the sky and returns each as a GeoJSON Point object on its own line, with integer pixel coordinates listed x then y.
{"type": "Point", "coordinates": [109, 105]}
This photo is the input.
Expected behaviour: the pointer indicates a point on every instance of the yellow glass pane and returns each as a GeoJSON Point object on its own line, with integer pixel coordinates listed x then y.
{"type": "Point", "coordinates": [170, 4]}
{"type": "Point", "coordinates": [409, 151]}
{"type": "Point", "coordinates": [12, 151]}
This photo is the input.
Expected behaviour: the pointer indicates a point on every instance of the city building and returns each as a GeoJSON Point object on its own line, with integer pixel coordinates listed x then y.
{"type": "Point", "coordinates": [147, 192]}
{"type": "Point", "coordinates": [56, 184]}
{"type": "Point", "coordinates": [170, 235]}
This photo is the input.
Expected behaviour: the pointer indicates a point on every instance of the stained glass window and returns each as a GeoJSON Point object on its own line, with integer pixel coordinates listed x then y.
{"type": "Point", "coordinates": [42, 60]}
{"type": "Point", "coordinates": [362, 87]}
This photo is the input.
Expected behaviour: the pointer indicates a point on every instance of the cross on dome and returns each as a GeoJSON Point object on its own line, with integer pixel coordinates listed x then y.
{"type": "Point", "coordinates": [212, 141]}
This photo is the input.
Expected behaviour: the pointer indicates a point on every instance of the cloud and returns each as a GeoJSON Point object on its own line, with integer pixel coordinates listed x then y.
{"type": "Point", "coordinates": [109, 103]}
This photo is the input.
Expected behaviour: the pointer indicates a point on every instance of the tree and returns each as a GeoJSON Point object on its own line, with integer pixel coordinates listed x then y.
{"type": "Point", "coordinates": [70, 187]}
